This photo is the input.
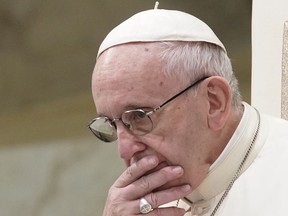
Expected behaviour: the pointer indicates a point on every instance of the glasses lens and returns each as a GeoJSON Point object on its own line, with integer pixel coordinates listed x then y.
{"type": "Point", "coordinates": [103, 129]}
{"type": "Point", "coordinates": [137, 121]}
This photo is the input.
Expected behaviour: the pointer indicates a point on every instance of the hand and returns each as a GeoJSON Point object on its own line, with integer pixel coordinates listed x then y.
{"type": "Point", "coordinates": [125, 194]}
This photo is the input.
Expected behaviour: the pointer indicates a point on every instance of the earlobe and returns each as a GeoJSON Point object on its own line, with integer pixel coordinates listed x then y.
{"type": "Point", "coordinates": [219, 99]}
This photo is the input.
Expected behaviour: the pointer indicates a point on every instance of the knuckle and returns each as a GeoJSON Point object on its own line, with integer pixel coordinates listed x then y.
{"type": "Point", "coordinates": [129, 172]}
{"type": "Point", "coordinates": [154, 199]}
{"type": "Point", "coordinates": [117, 209]}
{"type": "Point", "coordinates": [126, 177]}
{"type": "Point", "coordinates": [166, 174]}
{"type": "Point", "coordinates": [144, 183]}
{"type": "Point", "coordinates": [113, 205]}
{"type": "Point", "coordinates": [164, 171]}
{"type": "Point", "coordinates": [112, 196]}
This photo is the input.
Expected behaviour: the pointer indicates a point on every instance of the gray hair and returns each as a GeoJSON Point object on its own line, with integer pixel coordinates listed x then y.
{"type": "Point", "coordinates": [194, 60]}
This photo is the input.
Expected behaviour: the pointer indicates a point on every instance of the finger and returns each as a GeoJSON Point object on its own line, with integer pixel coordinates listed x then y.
{"type": "Point", "coordinates": [136, 170]}
{"type": "Point", "coordinates": [146, 184]}
{"type": "Point", "coordinates": [162, 197]}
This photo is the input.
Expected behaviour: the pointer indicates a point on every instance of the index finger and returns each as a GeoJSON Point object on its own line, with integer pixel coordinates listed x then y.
{"type": "Point", "coordinates": [136, 170]}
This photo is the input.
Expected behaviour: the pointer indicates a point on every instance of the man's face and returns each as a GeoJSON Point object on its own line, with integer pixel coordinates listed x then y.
{"type": "Point", "coordinates": [131, 76]}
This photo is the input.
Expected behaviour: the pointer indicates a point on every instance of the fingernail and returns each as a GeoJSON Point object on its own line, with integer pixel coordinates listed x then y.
{"type": "Point", "coordinates": [186, 188]}
{"type": "Point", "coordinates": [177, 170]}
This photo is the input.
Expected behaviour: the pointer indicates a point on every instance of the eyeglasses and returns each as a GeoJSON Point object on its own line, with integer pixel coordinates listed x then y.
{"type": "Point", "coordinates": [137, 121]}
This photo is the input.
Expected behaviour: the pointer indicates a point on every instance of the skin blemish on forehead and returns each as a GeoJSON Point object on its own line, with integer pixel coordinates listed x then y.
{"type": "Point", "coordinates": [161, 83]}
{"type": "Point", "coordinates": [146, 49]}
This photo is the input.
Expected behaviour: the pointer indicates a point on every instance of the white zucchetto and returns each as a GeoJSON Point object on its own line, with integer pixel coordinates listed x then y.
{"type": "Point", "coordinates": [160, 25]}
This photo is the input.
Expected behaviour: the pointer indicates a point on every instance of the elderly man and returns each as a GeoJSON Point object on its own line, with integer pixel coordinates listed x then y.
{"type": "Point", "coordinates": [164, 88]}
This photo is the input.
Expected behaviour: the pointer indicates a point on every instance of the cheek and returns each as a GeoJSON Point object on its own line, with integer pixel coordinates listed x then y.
{"type": "Point", "coordinates": [185, 139]}
{"type": "Point", "coordinates": [172, 134]}
{"type": "Point", "coordinates": [170, 146]}
{"type": "Point", "coordinates": [176, 133]}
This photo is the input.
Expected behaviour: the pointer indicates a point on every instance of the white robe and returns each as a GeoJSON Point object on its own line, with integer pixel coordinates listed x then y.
{"type": "Point", "coordinates": [262, 187]}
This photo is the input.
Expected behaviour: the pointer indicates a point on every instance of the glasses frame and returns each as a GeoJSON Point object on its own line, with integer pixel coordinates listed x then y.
{"type": "Point", "coordinates": [146, 113]}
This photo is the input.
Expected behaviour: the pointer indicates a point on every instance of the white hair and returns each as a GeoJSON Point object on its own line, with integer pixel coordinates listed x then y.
{"type": "Point", "coordinates": [194, 60]}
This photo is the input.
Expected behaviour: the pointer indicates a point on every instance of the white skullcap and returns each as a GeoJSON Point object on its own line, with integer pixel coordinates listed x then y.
{"type": "Point", "coordinates": [160, 25]}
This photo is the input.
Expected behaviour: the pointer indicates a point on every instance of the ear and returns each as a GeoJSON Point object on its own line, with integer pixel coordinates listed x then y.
{"type": "Point", "coordinates": [219, 102]}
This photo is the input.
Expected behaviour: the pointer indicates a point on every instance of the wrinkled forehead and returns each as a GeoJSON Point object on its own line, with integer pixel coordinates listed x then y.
{"type": "Point", "coordinates": [128, 75]}
{"type": "Point", "coordinates": [133, 60]}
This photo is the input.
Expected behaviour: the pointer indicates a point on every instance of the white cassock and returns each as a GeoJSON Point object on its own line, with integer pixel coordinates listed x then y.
{"type": "Point", "coordinates": [262, 187]}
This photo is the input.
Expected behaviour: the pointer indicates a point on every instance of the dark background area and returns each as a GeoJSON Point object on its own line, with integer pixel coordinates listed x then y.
{"type": "Point", "coordinates": [48, 50]}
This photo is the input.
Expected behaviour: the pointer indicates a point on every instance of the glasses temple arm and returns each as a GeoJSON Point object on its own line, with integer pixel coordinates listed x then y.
{"type": "Point", "coordinates": [172, 98]}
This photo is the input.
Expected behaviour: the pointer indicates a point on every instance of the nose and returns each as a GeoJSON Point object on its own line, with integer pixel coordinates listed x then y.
{"type": "Point", "coordinates": [128, 145]}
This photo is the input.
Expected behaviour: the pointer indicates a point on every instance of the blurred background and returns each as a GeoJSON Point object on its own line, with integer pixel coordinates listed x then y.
{"type": "Point", "coordinates": [50, 164]}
